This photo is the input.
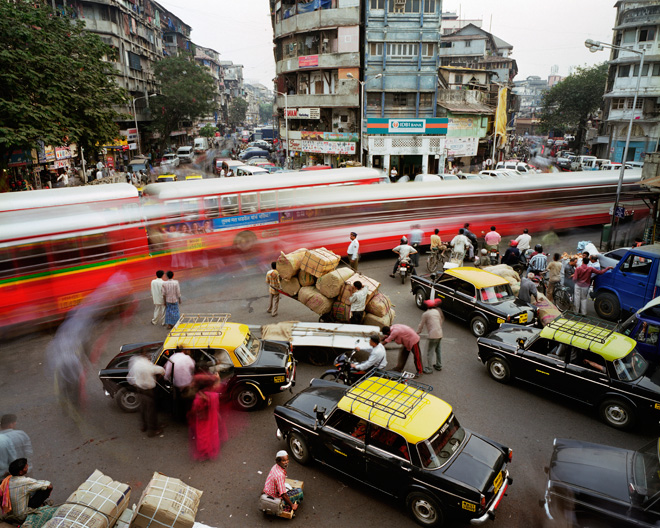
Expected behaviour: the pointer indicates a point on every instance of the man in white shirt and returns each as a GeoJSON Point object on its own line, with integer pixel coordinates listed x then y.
{"type": "Point", "coordinates": [460, 243]}
{"type": "Point", "coordinates": [404, 250]}
{"type": "Point", "coordinates": [142, 375]}
{"type": "Point", "coordinates": [524, 241]}
{"type": "Point", "coordinates": [353, 251]}
{"type": "Point", "coordinates": [159, 301]}
{"type": "Point", "coordinates": [393, 174]}
{"type": "Point", "coordinates": [376, 357]}
{"type": "Point", "coordinates": [180, 369]}
{"type": "Point", "coordinates": [358, 302]}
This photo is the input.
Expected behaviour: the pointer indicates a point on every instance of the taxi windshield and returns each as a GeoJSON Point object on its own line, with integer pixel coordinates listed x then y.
{"type": "Point", "coordinates": [495, 294]}
{"type": "Point", "coordinates": [646, 469]}
{"type": "Point", "coordinates": [437, 450]}
{"type": "Point", "coordinates": [248, 351]}
{"type": "Point", "coordinates": [631, 367]}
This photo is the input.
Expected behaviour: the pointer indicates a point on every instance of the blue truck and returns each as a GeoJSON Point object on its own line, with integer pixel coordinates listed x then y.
{"type": "Point", "coordinates": [634, 281]}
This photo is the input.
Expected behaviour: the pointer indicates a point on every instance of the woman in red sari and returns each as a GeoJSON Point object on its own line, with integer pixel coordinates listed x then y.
{"type": "Point", "coordinates": [207, 429]}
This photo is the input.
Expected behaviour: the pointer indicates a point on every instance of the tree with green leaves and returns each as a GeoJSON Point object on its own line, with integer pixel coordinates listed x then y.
{"type": "Point", "coordinates": [56, 85]}
{"type": "Point", "coordinates": [188, 92]}
{"type": "Point", "coordinates": [208, 131]}
{"type": "Point", "coordinates": [568, 105]}
{"type": "Point", "coordinates": [265, 112]}
{"type": "Point", "coordinates": [237, 111]}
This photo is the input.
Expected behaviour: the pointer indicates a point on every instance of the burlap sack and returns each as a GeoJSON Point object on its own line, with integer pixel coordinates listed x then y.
{"type": "Point", "coordinates": [331, 283]}
{"type": "Point", "coordinates": [370, 284]}
{"type": "Point", "coordinates": [289, 264]}
{"type": "Point", "coordinates": [386, 320]}
{"type": "Point", "coordinates": [379, 305]}
{"type": "Point", "coordinates": [320, 261]}
{"type": "Point", "coordinates": [166, 503]}
{"type": "Point", "coordinates": [341, 312]}
{"type": "Point", "coordinates": [306, 279]}
{"type": "Point", "coordinates": [515, 288]}
{"type": "Point", "coordinates": [547, 312]}
{"type": "Point", "coordinates": [290, 287]}
{"type": "Point", "coordinates": [314, 300]}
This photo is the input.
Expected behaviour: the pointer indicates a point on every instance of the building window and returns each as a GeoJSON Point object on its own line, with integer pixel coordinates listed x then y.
{"type": "Point", "coordinates": [468, 43]}
{"type": "Point", "coordinates": [376, 49]}
{"type": "Point", "coordinates": [404, 6]}
{"type": "Point", "coordinates": [400, 99]}
{"type": "Point", "coordinates": [134, 61]}
{"type": "Point", "coordinates": [428, 49]}
{"type": "Point", "coordinates": [374, 100]}
{"type": "Point", "coordinates": [629, 36]}
{"type": "Point", "coordinates": [624, 71]}
{"type": "Point", "coordinates": [446, 44]}
{"type": "Point", "coordinates": [647, 34]}
{"type": "Point", "coordinates": [429, 6]}
{"type": "Point", "coordinates": [402, 50]}
{"type": "Point", "coordinates": [377, 4]}
{"type": "Point", "coordinates": [645, 70]}
{"type": "Point", "coordinates": [638, 106]}
{"type": "Point", "coordinates": [656, 70]}
{"type": "Point", "coordinates": [425, 99]}
{"type": "Point", "coordinates": [458, 78]}
{"type": "Point", "coordinates": [618, 103]}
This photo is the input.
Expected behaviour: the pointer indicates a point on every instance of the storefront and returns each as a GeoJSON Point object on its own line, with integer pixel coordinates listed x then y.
{"type": "Point", "coordinates": [321, 148]}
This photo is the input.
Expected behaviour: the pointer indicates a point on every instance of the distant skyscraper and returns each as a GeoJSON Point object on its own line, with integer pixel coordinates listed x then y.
{"type": "Point", "coordinates": [554, 70]}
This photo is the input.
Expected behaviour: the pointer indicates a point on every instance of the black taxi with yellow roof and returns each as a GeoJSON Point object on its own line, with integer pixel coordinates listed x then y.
{"type": "Point", "coordinates": [481, 298]}
{"type": "Point", "coordinates": [252, 369]}
{"type": "Point", "coordinates": [388, 432]}
{"type": "Point", "coordinates": [580, 358]}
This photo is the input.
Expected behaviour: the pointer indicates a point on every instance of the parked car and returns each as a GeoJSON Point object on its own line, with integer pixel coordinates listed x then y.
{"type": "Point", "coordinates": [428, 178]}
{"type": "Point", "coordinates": [517, 165]}
{"type": "Point", "coordinates": [390, 433]}
{"type": "Point", "coordinates": [599, 485]}
{"type": "Point", "coordinates": [261, 144]}
{"type": "Point", "coordinates": [164, 178]}
{"type": "Point", "coordinates": [247, 170]}
{"type": "Point", "coordinates": [630, 285]}
{"type": "Point", "coordinates": [138, 164]}
{"type": "Point", "coordinates": [252, 369]}
{"type": "Point", "coordinates": [253, 153]}
{"type": "Point", "coordinates": [185, 154]}
{"type": "Point", "coordinates": [565, 163]}
{"type": "Point", "coordinates": [585, 362]}
{"type": "Point", "coordinates": [480, 298]}
{"type": "Point", "coordinates": [169, 161]}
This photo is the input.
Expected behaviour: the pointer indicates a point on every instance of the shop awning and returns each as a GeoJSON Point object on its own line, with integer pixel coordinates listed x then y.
{"type": "Point", "coordinates": [467, 108]}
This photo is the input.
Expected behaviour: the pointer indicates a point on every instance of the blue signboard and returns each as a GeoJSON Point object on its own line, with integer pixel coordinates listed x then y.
{"type": "Point", "coordinates": [248, 220]}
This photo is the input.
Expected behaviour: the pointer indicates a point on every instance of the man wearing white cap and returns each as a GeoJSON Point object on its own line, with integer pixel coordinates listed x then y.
{"type": "Point", "coordinates": [276, 483]}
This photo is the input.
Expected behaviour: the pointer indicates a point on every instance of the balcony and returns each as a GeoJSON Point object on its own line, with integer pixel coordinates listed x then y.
{"type": "Point", "coordinates": [320, 100]}
{"type": "Point", "coordinates": [326, 61]}
{"type": "Point", "coordinates": [345, 16]}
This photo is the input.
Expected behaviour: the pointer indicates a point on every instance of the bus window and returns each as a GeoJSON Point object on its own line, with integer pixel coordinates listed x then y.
{"type": "Point", "coordinates": [6, 263]}
{"type": "Point", "coordinates": [95, 247]}
{"type": "Point", "coordinates": [229, 205]}
{"type": "Point", "coordinates": [173, 209]}
{"type": "Point", "coordinates": [268, 200]}
{"type": "Point", "coordinates": [31, 258]}
{"type": "Point", "coordinates": [248, 203]}
{"type": "Point", "coordinates": [190, 209]}
{"type": "Point", "coordinates": [211, 207]}
{"type": "Point", "coordinates": [65, 252]}
{"type": "Point", "coordinates": [285, 198]}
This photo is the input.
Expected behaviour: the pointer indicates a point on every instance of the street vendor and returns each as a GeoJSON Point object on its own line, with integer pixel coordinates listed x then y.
{"type": "Point", "coordinates": [275, 486]}
{"type": "Point", "coordinates": [21, 495]}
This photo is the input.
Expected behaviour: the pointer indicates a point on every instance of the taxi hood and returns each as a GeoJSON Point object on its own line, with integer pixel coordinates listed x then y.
{"type": "Point", "coordinates": [476, 464]}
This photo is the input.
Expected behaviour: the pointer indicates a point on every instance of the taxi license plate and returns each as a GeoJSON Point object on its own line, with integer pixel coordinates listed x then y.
{"type": "Point", "coordinates": [522, 318]}
{"type": "Point", "coordinates": [497, 483]}
{"type": "Point", "coordinates": [279, 379]}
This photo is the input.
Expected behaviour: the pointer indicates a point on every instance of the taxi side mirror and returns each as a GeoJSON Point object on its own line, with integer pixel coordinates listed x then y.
{"type": "Point", "coordinates": [521, 342]}
{"type": "Point", "coordinates": [320, 415]}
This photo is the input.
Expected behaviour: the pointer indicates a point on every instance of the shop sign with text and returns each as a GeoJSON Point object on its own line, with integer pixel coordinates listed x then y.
{"type": "Point", "coordinates": [407, 126]}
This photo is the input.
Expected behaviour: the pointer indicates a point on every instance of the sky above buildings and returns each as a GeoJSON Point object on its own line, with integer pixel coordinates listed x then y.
{"type": "Point", "coordinates": [543, 34]}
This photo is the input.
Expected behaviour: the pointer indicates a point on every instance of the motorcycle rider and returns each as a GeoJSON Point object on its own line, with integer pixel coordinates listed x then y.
{"type": "Point", "coordinates": [511, 255]}
{"type": "Point", "coordinates": [404, 250]}
{"type": "Point", "coordinates": [538, 262]}
{"type": "Point", "coordinates": [416, 238]}
{"type": "Point", "coordinates": [492, 239]}
{"type": "Point", "coordinates": [376, 357]}
{"type": "Point", "coordinates": [472, 238]}
{"type": "Point", "coordinates": [484, 259]}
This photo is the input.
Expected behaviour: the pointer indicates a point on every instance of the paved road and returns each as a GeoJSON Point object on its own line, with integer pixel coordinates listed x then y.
{"type": "Point", "coordinates": [68, 450]}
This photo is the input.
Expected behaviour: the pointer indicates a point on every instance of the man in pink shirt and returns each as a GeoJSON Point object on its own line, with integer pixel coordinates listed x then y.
{"type": "Point", "coordinates": [406, 336]}
{"type": "Point", "coordinates": [492, 238]}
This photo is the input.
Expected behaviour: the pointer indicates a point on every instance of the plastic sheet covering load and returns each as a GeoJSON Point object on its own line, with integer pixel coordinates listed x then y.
{"type": "Point", "coordinates": [166, 503]}
{"type": "Point", "coordinates": [97, 503]}
{"type": "Point", "coordinates": [278, 331]}
{"type": "Point", "coordinates": [379, 305]}
{"type": "Point", "coordinates": [306, 279]}
{"type": "Point", "coordinates": [386, 320]}
{"type": "Point", "coordinates": [320, 261]}
{"type": "Point", "coordinates": [547, 312]}
{"type": "Point", "coordinates": [341, 312]}
{"type": "Point", "coordinates": [290, 286]}
{"type": "Point", "coordinates": [289, 264]}
{"type": "Point", "coordinates": [314, 300]}
{"type": "Point", "coordinates": [370, 284]}
{"type": "Point", "coordinates": [331, 283]}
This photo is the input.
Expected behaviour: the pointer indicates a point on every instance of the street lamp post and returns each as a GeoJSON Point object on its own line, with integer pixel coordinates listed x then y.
{"type": "Point", "coordinates": [594, 46]}
{"type": "Point", "coordinates": [286, 126]}
{"type": "Point", "coordinates": [363, 110]}
{"type": "Point", "coordinates": [137, 131]}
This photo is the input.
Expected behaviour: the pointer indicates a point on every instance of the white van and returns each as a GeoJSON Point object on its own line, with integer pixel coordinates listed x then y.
{"type": "Point", "coordinates": [520, 166]}
{"type": "Point", "coordinates": [201, 145]}
{"type": "Point", "coordinates": [185, 154]}
{"type": "Point", "coordinates": [249, 170]}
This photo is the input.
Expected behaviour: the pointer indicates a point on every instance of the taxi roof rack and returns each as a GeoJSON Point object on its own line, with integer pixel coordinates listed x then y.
{"type": "Point", "coordinates": [396, 400]}
{"type": "Point", "coordinates": [572, 323]}
{"type": "Point", "coordinates": [205, 325]}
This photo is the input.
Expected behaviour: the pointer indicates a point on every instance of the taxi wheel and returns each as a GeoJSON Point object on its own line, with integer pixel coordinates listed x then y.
{"type": "Point", "coordinates": [424, 509]}
{"type": "Point", "coordinates": [499, 369]}
{"type": "Point", "coordinates": [607, 306]}
{"type": "Point", "coordinates": [245, 240]}
{"type": "Point", "coordinates": [479, 326]}
{"type": "Point", "coordinates": [299, 449]}
{"type": "Point", "coordinates": [617, 414]}
{"type": "Point", "coordinates": [127, 400]}
{"type": "Point", "coordinates": [247, 398]}
{"type": "Point", "coordinates": [420, 297]}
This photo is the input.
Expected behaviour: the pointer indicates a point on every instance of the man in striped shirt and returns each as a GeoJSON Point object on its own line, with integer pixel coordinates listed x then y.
{"type": "Point", "coordinates": [276, 483]}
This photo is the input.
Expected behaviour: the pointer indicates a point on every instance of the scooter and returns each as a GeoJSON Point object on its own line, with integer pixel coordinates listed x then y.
{"type": "Point", "coordinates": [494, 256]}
{"type": "Point", "coordinates": [343, 373]}
{"type": "Point", "coordinates": [405, 268]}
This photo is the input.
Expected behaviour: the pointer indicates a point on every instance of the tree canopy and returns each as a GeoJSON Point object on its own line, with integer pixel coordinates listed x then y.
{"type": "Point", "coordinates": [237, 111]}
{"type": "Point", "coordinates": [265, 112]}
{"type": "Point", "coordinates": [569, 103]}
{"type": "Point", "coordinates": [208, 131]}
{"type": "Point", "coordinates": [56, 85]}
{"type": "Point", "coordinates": [188, 92]}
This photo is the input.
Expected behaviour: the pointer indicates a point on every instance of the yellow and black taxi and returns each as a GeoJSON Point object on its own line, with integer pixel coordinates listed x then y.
{"type": "Point", "coordinates": [584, 360]}
{"type": "Point", "coordinates": [252, 370]}
{"type": "Point", "coordinates": [164, 178]}
{"type": "Point", "coordinates": [599, 485]}
{"type": "Point", "coordinates": [389, 433]}
{"type": "Point", "coordinates": [479, 297]}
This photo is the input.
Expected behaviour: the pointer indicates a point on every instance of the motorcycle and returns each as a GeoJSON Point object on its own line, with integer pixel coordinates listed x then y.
{"type": "Point", "coordinates": [405, 268]}
{"type": "Point", "coordinates": [494, 256]}
{"type": "Point", "coordinates": [343, 373]}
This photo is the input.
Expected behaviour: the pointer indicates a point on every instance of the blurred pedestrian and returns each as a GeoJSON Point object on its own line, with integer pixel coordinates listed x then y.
{"type": "Point", "coordinates": [142, 375]}
{"type": "Point", "coordinates": [408, 338]}
{"type": "Point", "coordinates": [274, 284]}
{"type": "Point", "coordinates": [21, 446]}
{"type": "Point", "coordinates": [353, 251]}
{"type": "Point", "coordinates": [207, 429]}
{"type": "Point", "coordinates": [180, 369]}
{"type": "Point", "coordinates": [416, 238]}
{"type": "Point", "coordinates": [554, 270]}
{"type": "Point", "coordinates": [172, 298]}
{"type": "Point", "coordinates": [432, 320]}
{"type": "Point", "coordinates": [157, 297]}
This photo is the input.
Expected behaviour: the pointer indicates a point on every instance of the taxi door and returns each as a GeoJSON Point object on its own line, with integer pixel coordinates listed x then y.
{"type": "Point", "coordinates": [388, 461]}
{"type": "Point", "coordinates": [543, 365]}
{"type": "Point", "coordinates": [343, 441]}
{"type": "Point", "coordinates": [465, 299]}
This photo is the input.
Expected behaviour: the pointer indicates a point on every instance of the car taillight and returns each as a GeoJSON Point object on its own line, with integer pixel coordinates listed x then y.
{"type": "Point", "coordinates": [510, 455]}
{"type": "Point", "coordinates": [483, 502]}
{"type": "Point", "coordinates": [508, 318]}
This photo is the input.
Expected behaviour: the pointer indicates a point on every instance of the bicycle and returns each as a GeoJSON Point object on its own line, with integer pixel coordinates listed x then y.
{"type": "Point", "coordinates": [563, 297]}
{"type": "Point", "coordinates": [437, 259]}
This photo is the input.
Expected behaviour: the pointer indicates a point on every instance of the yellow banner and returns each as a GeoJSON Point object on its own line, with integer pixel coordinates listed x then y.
{"type": "Point", "coordinates": [500, 119]}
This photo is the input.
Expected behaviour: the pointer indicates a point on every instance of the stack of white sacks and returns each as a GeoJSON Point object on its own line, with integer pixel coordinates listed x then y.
{"type": "Point", "coordinates": [312, 277]}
